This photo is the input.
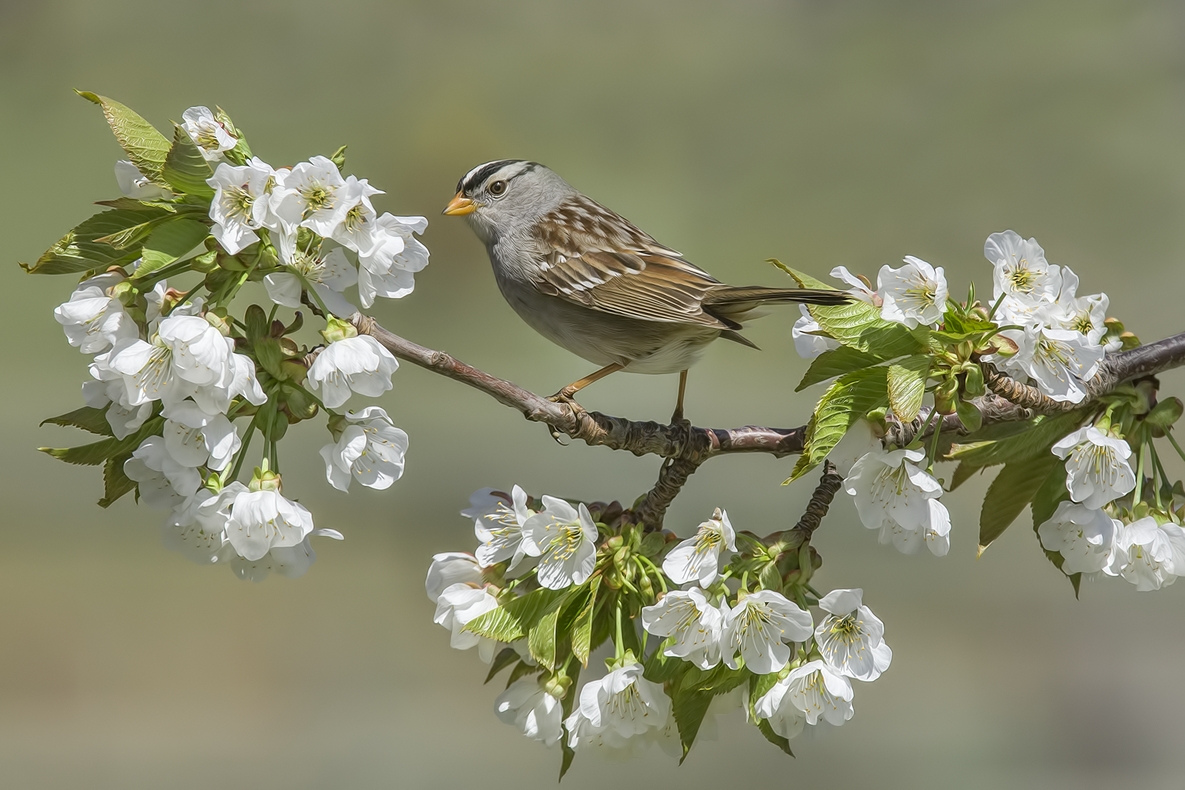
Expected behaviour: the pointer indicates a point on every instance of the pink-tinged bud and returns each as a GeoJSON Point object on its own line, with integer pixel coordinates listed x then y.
{"type": "Point", "coordinates": [1004, 346]}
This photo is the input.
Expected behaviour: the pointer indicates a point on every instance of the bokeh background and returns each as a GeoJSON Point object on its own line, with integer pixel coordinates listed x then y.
{"type": "Point", "coordinates": [821, 133]}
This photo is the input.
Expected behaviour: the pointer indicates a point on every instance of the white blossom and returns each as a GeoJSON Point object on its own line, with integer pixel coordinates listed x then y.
{"type": "Point", "coordinates": [1148, 554]}
{"type": "Point", "coordinates": [500, 530]}
{"type": "Point", "coordinates": [197, 527]}
{"type": "Point", "coordinates": [1083, 314]}
{"type": "Point", "coordinates": [699, 557]}
{"type": "Point", "coordinates": [388, 271]}
{"type": "Point", "coordinates": [359, 229]}
{"type": "Point", "coordinates": [185, 353]}
{"type": "Point", "coordinates": [210, 136]}
{"type": "Point", "coordinates": [857, 287]}
{"type": "Point", "coordinates": [759, 627]}
{"type": "Point", "coordinates": [807, 340]}
{"type": "Point", "coordinates": [263, 520]}
{"type": "Point", "coordinates": [913, 294]}
{"type": "Point", "coordinates": [851, 638]}
{"type": "Point", "coordinates": [696, 626]}
{"type": "Point", "coordinates": [900, 499]}
{"type": "Point", "coordinates": [1021, 270]}
{"type": "Point", "coordinates": [370, 449]}
{"type": "Point", "coordinates": [564, 539]}
{"type": "Point", "coordinates": [354, 364]}
{"type": "Point", "coordinates": [309, 196]}
{"type": "Point", "coordinates": [195, 438]}
{"type": "Point", "coordinates": [107, 390]}
{"type": "Point", "coordinates": [290, 561]}
{"type": "Point", "coordinates": [449, 568]}
{"type": "Point", "coordinates": [162, 482]}
{"type": "Point", "coordinates": [92, 319]}
{"type": "Point", "coordinates": [1097, 468]}
{"type": "Point", "coordinates": [1084, 537]}
{"type": "Point", "coordinates": [527, 705]}
{"type": "Point", "coordinates": [1059, 361]}
{"type": "Point", "coordinates": [327, 274]}
{"type": "Point", "coordinates": [858, 441]}
{"type": "Point", "coordinates": [617, 708]}
{"type": "Point", "coordinates": [240, 205]}
{"type": "Point", "coordinates": [459, 604]}
{"type": "Point", "coordinates": [815, 689]}
{"type": "Point", "coordinates": [138, 186]}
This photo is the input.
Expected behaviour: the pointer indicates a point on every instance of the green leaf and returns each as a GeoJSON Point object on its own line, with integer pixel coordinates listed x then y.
{"type": "Point", "coordinates": [582, 626]}
{"type": "Point", "coordinates": [145, 146]}
{"type": "Point", "coordinates": [541, 638]}
{"type": "Point", "coordinates": [851, 397]}
{"type": "Point", "coordinates": [1042, 433]}
{"type": "Point", "coordinates": [689, 709]}
{"type": "Point", "coordinates": [1010, 493]}
{"type": "Point", "coordinates": [660, 668]}
{"type": "Point", "coordinates": [80, 250]}
{"type": "Point", "coordinates": [135, 235]}
{"type": "Point", "coordinates": [131, 204]}
{"type": "Point", "coordinates": [338, 157]}
{"type": "Point", "coordinates": [906, 382]}
{"type": "Point", "coordinates": [116, 483]}
{"type": "Point", "coordinates": [773, 737]}
{"type": "Point", "coordinates": [956, 324]}
{"type": "Point", "coordinates": [185, 169]}
{"type": "Point", "coordinates": [506, 656]}
{"type": "Point", "coordinates": [269, 354]}
{"type": "Point", "coordinates": [521, 671]}
{"type": "Point", "coordinates": [969, 415]}
{"type": "Point", "coordinates": [963, 472]}
{"type": "Point", "coordinates": [169, 242]}
{"type": "Point", "coordinates": [86, 418]}
{"type": "Point", "coordinates": [836, 362]}
{"type": "Point", "coordinates": [98, 452]}
{"type": "Point", "coordinates": [512, 619]}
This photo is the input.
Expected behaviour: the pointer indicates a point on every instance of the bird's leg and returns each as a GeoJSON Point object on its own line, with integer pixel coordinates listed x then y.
{"type": "Point", "coordinates": [678, 415]}
{"type": "Point", "coordinates": [565, 394]}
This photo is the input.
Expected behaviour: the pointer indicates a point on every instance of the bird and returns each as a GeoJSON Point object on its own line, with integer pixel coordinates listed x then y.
{"type": "Point", "coordinates": [594, 283]}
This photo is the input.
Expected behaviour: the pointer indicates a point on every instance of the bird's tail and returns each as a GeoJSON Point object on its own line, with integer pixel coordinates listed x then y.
{"type": "Point", "coordinates": [750, 296]}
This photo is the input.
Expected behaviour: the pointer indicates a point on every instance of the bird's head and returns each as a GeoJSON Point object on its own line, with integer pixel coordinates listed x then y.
{"type": "Point", "coordinates": [506, 197]}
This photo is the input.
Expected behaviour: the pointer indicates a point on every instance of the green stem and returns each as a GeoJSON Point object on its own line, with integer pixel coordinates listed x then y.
{"type": "Point", "coordinates": [1176, 446]}
{"type": "Point", "coordinates": [995, 307]}
{"type": "Point", "coordinates": [311, 291]}
{"type": "Point", "coordinates": [618, 642]}
{"type": "Point", "coordinates": [934, 444]}
{"type": "Point", "coordinates": [150, 280]}
{"type": "Point", "coordinates": [1138, 493]}
{"type": "Point", "coordinates": [272, 315]}
{"type": "Point", "coordinates": [1164, 478]}
{"type": "Point", "coordinates": [234, 475]}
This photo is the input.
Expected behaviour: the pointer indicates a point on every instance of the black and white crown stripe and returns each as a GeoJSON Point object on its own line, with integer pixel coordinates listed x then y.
{"type": "Point", "coordinates": [480, 174]}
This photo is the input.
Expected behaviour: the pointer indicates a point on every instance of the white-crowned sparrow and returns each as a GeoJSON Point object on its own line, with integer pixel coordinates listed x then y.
{"type": "Point", "coordinates": [589, 280]}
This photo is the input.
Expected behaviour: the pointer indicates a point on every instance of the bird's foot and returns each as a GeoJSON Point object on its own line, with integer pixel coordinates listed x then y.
{"type": "Point", "coordinates": [564, 396]}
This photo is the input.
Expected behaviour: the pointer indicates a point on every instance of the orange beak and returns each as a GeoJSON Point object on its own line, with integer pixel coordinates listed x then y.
{"type": "Point", "coordinates": [460, 206]}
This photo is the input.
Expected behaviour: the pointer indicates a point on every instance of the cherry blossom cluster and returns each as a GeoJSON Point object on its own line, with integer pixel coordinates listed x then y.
{"type": "Point", "coordinates": [1037, 330]}
{"type": "Point", "coordinates": [183, 376]}
{"type": "Point", "coordinates": [710, 615]}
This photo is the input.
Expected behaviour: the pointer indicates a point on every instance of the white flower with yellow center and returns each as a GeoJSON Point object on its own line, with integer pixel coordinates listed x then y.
{"type": "Point", "coordinates": [240, 205]}
{"type": "Point", "coordinates": [851, 638]}
{"type": "Point", "coordinates": [900, 499]}
{"type": "Point", "coordinates": [1059, 361]}
{"type": "Point", "coordinates": [370, 450]}
{"type": "Point", "coordinates": [185, 354]}
{"type": "Point", "coordinates": [210, 136]}
{"type": "Point", "coordinates": [358, 229]}
{"type": "Point", "coordinates": [564, 539]}
{"type": "Point", "coordinates": [1148, 554]}
{"type": "Point", "coordinates": [1084, 536]}
{"type": "Point", "coordinates": [1097, 468]}
{"type": "Point", "coordinates": [616, 709]}
{"type": "Point", "coordinates": [759, 627]}
{"type": "Point", "coordinates": [814, 689]}
{"type": "Point", "coordinates": [857, 287]}
{"type": "Point", "coordinates": [500, 530]}
{"type": "Point", "coordinates": [694, 624]}
{"type": "Point", "coordinates": [92, 319]}
{"type": "Point", "coordinates": [1021, 270]}
{"type": "Point", "coordinates": [1082, 314]}
{"type": "Point", "coordinates": [309, 196]}
{"type": "Point", "coordinates": [699, 557]}
{"type": "Point", "coordinates": [389, 270]}
{"type": "Point", "coordinates": [914, 294]}
{"type": "Point", "coordinates": [195, 438]}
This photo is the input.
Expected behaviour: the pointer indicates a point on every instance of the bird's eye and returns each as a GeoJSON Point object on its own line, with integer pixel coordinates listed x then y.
{"type": "Point", "coordinates": [497, 188]}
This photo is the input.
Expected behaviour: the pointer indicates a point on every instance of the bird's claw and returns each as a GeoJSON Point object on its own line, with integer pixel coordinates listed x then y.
{"type": "Point", "coordinates": [564, 397]}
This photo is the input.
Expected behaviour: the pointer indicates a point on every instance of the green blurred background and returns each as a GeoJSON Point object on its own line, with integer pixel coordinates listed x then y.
{"type": "Point", "coordinates": [821, 133]}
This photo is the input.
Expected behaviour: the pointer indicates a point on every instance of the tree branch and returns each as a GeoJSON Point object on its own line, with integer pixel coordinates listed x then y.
{"type": "Point", "coordinates": [685, 447]}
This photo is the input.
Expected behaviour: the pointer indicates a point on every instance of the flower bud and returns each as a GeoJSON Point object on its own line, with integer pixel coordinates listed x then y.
{"type": "Point", "coordinates": [265, 480]}
{"type": "Point", "coordinates": [337, 329]}
{"type": "Point", "coordinates": [946, 395]}
{"type": "Point", "coordinates": [557, 686]}
{"type": "Point", "coordinates": [614, 543]}
{"type": "Point", "coordinates": [973, 381]}
{"type": "Point", "coordinates": [1004, 346]}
